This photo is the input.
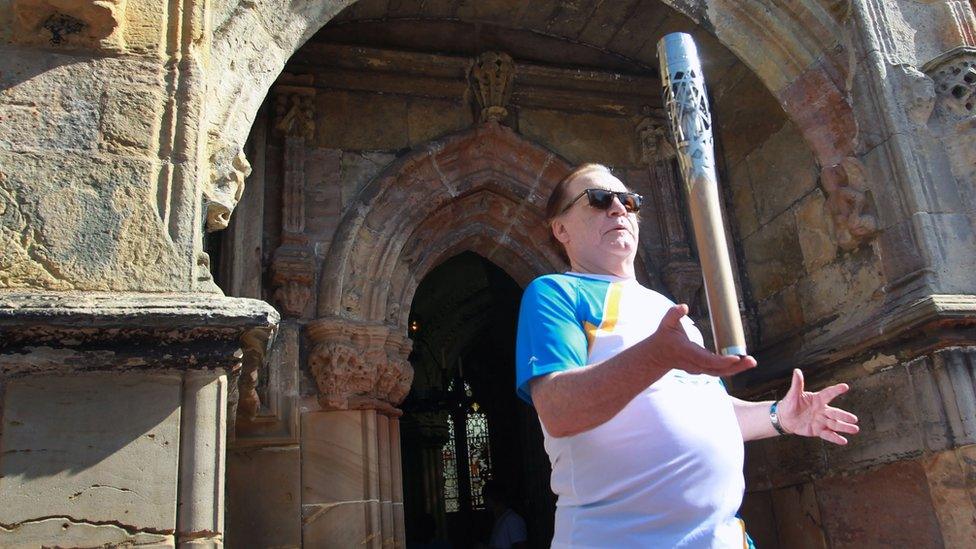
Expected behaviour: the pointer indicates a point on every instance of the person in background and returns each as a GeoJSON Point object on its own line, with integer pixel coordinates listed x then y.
{"type": "Point", "coordinates": [509, 531]}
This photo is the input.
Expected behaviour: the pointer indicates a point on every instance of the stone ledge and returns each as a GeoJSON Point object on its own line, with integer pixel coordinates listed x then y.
{"type": "Point", "coordinates": [61, 332]}
{"type": "Point", "coordinates": [907, 329]}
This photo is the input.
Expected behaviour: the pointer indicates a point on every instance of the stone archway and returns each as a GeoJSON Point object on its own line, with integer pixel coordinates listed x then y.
{"type": "Point", "coordinates": [802, 54]}
{"type": "Point", "coordinates": [482, 190]}
{"type": "Point", "coordinates": [798, 51]}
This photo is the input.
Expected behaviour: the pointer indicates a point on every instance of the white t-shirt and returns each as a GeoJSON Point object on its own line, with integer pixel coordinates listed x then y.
{"type": "Point", "coordinates": [666, 471]}
{"type": "Point", "coordinates": [509, 529]}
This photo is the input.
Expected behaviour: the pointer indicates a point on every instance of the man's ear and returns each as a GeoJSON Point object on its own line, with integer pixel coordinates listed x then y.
{"type": "Point", "coordinates": [559, 231]}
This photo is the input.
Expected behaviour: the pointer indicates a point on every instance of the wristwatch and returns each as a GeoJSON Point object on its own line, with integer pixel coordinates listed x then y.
{"type": "Point", "coordinates": [774, 418]}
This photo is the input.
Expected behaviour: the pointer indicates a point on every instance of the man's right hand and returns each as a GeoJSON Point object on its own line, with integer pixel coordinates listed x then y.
{"type": "Point", "coordinates": [670, 348]}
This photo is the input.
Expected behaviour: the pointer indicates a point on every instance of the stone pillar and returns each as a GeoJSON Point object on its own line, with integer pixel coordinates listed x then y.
{"type": "Point", "coordinates": [396, 477]}
{"type": "Point", "coordinates": [434, 434]}
{"type": "Point", "coordinates": [352, 491]}
{"type": "Point", "coordinates": [203, 436]}
{"type": "Point", "coordinates": [114, 416]}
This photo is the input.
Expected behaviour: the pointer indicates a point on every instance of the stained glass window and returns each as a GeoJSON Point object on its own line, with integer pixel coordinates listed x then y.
{"type": "Point", "coordinates": [479, 454]}
{"type": "Point", "coordinates": [450, 472]}
{"type": "Point", "coordinates": [467, 435]}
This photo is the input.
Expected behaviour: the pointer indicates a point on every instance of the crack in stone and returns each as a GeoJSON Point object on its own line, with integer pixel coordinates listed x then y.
{"type": "Point", "coordinates": [131, 530]}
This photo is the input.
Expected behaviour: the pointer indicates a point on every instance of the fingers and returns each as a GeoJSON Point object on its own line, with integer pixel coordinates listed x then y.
{"type": "Point", "coordinates": [831, 436]}
{"type": "Point", "coordinates": [840, 415]}
{"type": "Point", "coordinates": [842, 426]}
{"type": "Point", "coordinates": [719, 365]}
{"type": "Point", "coordinates": [672, 319]}
{"type": "Point", "coordinates": [832, 392]}
{"type": "Point", "coordinates": [797, 381]}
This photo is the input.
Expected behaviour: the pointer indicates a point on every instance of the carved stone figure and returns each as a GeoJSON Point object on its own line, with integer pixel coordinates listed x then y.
{"type": "Point", "coordinates": [655, 140]}
{"type": "Point", "coordinates": [225, 190]}
{"type": "Point", "coordinates": [845, 184]}
{"type": "Point", "coordinates": [492, 75]}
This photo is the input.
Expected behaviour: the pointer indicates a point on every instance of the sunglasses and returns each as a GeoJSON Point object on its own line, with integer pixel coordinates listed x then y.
{"type": "Point", "coordinates": [602, 199]}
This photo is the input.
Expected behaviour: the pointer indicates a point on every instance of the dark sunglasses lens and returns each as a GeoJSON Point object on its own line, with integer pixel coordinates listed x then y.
{"type": "Point", "coordinates": [599, 198]}
{"type": "Point", "coordinates": [602, 199]}
{"type": "Point", "coordinates": [631, 201]}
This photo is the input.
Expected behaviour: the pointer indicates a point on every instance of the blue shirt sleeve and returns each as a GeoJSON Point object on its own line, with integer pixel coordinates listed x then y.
{"type": "Point", "coordinates": [550, 335]}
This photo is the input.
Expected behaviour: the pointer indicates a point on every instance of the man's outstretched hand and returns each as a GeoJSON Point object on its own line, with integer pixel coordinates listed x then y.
{"type": "Point", "coordinates": [809, 414]}
{"type": "Point", "coordinates": [671, 348]}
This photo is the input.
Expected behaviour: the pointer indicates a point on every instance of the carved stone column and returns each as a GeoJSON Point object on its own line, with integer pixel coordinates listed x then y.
{"type": "Point", "coordinates": [433, 430]}
{"type": "Point", "coordinates": [491, 77]}
{"type": "Point", "coordinates": [351, 448]}
{"type": "Point", "coordinates": [293, 265]}
{"type": "Point", "coordinates": [680, 272]}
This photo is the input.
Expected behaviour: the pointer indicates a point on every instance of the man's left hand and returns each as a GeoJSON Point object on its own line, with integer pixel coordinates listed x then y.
{"type": "Point", "coordinates": [810, 415]}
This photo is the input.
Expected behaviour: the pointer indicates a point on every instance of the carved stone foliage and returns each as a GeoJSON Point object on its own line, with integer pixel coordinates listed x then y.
{"type": "Point", "coordinates": [70, 23]}
{"type": "Point", "coordinates": [954, 74]}
{"type": "Point", "coordinates": [359, 366]}
{"type": "Point", "coordinates": [491, 76]}
{"type": "Point", "coordinates": [846, 201]}
{"type": "Point", "coordinates": [225, 189]}
{"type": "Point", "coordinates": [292, 274]}
{"type": "Point", "coordinates": [295, 111]}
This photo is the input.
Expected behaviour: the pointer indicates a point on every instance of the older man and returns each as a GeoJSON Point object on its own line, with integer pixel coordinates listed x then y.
{"type": "Point", "coordinates": [646, 445]}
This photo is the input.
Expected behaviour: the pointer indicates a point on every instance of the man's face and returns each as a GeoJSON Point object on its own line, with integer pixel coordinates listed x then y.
{"type": "Point", "coordinates": [594, 237]}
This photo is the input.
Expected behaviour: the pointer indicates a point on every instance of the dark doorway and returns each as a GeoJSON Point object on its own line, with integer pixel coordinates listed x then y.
{"type": "Point", "coordinates": [462, 422]}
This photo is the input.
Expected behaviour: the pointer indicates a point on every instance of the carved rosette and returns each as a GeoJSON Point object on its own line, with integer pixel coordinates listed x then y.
{"type": "Point", "coordinates": [491, 77]}
{"type": "Point", "coordinates": [845, 185]}
{"type": "Point", "coordinates": [359, 366]}
{"type": "Point", "coordinates": [954, 74]}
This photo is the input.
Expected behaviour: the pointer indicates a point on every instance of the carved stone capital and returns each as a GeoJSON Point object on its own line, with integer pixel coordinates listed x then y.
{"type": "Point", "coordinates": [358, 365]}
{"type": "Point", "coordinates": [654, 137]}
{"type": "Point", "coordinates": [295, 111]}
{"type": "Point", "coordinates": [954, 74]}
{"type": "Point", "coordinates": [225, 188]}
{"type": "Point", "coordinates": [292, 276]}
{"type": "Point", "coordinates": [87, 24]}
{"type": "Point", "coordinates": [491, 76]}
{"type": "Point", "coordinates": [846, 201]}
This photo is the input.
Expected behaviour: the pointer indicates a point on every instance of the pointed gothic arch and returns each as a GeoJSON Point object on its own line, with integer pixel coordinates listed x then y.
{"type": "Point", "coordinates": [482, 190]}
